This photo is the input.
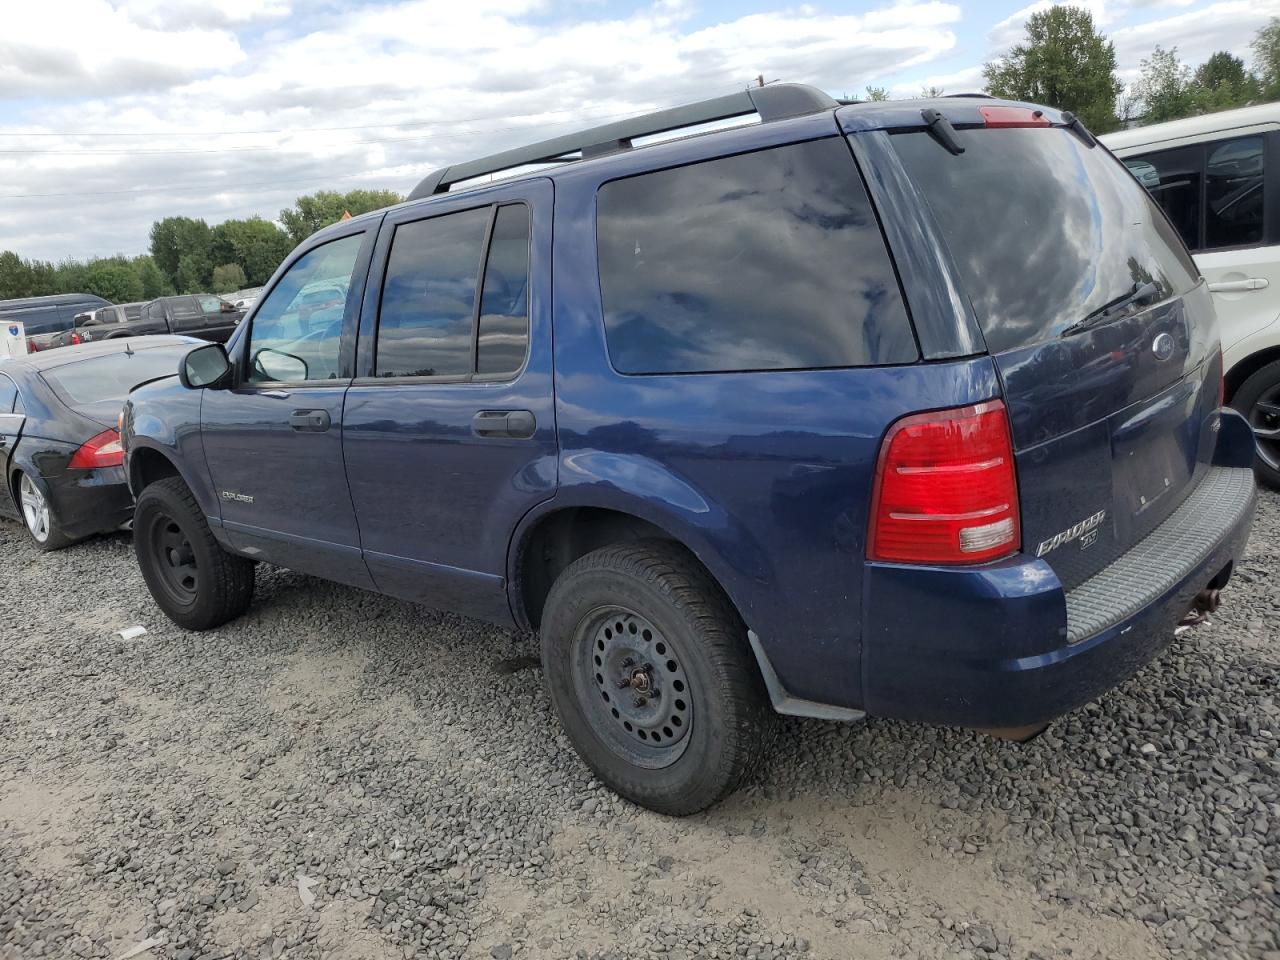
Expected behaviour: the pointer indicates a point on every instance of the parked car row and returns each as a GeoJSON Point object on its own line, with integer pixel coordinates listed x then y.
{"type": "Point", "coordinates": [68, 319]}
{"type": "Point", "coordinates": [866, 408]}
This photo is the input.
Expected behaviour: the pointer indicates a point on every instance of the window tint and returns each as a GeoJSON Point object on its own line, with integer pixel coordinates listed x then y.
{"type": "Point", "coordinates": [185, 310]}
{"type": "Point", "coordinates": [1172, 177]}
{"type": "Point", "coordinates": [428, 297]}
{"type": "Point", "coordinates": [8, 394]}
{"type": "Point", "coordinates": [112, 377]}
{"type": "Point", "coordinates": [771, 260]}
{"type": "Point", "coordinates": [1233, 193]}
{"type": "Point", "coordinates": [37, 320]}
{"type": "Point", "coordinates": [1043, 229]}
{"type": "Point", "coordinates": [503, 335]}
{"type": "Point", "coordinates": [297, 331]}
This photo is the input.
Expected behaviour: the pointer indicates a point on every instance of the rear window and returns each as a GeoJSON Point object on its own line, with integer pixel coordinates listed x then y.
{"type": "Point", "coordinates": [1043, 229]}
{"type": "Point", "coordinates": [768, 260]}
{"type": "Point", "coordinates": [112, 377]}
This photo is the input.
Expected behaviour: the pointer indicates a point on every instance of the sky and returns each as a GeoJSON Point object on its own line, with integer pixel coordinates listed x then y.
{"type": "Point", "coordinates": [115, 113]}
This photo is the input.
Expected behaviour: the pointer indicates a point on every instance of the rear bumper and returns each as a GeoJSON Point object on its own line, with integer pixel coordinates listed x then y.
{"type": "Point", "coordinates": [1005, 646]}
{"type": "Point", "coordinates": [85, 502]}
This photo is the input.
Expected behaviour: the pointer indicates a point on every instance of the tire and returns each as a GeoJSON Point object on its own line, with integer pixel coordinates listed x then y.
{"type": "Point", "coordinates": [37, 514]}
{"type": "Point", "coordinates": [1258, 399]}
{"type": "Point", "coordinates": [649, 670]}
{"type": "Point", "coordinates": [192, 579]}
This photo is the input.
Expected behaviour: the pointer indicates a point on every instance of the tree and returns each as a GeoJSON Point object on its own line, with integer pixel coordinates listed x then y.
{"type": "Point", "coordinates": [255, 245]}
{"type": "Point", "coordinates": [1163, 90]}
{"type": "Point", "coordinates": [1266, 59]}
{"type": "Point", "coordinates": [153, 282]}
{"type": "Point", "coordinates": [317, 210]}
{"type": "Point", "coordinates": [228, 278]}
{"type": "Point", "coordinates": [178, 239]}
{"type": "Point", "coordinates": [17, 278]}
{"type": "Point", "coordinates": [1222, 82]}
{"type": "Point", "coordinates": [877, 93]}
{"type": "Point", "coordinates": [194, 274]}
{"type": "Point", "coordinates": [928, 93]}
{"type": "Point", "coordinates": [1065, 63]}
{"type": "Point", "coordinates": [113, 279]}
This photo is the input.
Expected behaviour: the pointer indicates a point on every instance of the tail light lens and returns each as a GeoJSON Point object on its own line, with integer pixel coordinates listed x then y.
{"type": "Point", "coordinates": [31, 346]}
{"type": "Point", "coordinates": [946, 491]}
{"type": "Point", "coordinates": [999, 116]}
{"type": "Point", "coordinates": [104, 450]}
{"type": "Point", "coordinates": [76, 339]}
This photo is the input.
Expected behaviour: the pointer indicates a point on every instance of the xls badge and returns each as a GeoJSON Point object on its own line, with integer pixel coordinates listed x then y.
{"type": "Point", "coordinates": [1086, 531]}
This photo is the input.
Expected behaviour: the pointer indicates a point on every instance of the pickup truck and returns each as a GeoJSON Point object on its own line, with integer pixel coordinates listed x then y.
{"type": "Point", "coordinates": [200, 315]}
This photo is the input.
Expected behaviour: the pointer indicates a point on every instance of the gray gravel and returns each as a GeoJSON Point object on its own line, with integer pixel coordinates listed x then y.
{"type": "Point", "coordinates": [341, 775]}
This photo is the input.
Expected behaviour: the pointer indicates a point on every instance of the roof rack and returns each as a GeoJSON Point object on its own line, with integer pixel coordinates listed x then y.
{"type": "Point", "coordinates": [776, 101]}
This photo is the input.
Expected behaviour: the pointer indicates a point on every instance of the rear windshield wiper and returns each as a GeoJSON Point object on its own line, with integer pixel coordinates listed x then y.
{"type": "Point", "coordinates": [1142, 293]}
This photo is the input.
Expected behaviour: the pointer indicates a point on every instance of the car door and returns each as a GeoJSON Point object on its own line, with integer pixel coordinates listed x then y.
{"type": "Point", "coordinates": [154, 319]}
{"type": "Point", "coordinates": [11, 419]}
{"type": "Point", "coordinates": [1222, 197]}
{"type": "Point", "coordinates": [219, 324]}
{"type": "Point", "coordinates": [186, 317]}
{"type": "Point", "coordinates": [273, 439]}
{"type": "Point", "coordinates": [448, 431]}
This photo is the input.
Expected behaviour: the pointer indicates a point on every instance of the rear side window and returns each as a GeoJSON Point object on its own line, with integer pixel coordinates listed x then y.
{"type": "Point", "coordinates": [429, 323]}
{"type": "Point", "coordinates": [38, 320]}
{"type": "Point", "coordinates": [1212, 192]}
{"type": "Point", "coordinates": [185, 309]}
{"type": "Point", "coordinates": [768, 260]}
{"type": "Point", "coordinates": [1043, 229]}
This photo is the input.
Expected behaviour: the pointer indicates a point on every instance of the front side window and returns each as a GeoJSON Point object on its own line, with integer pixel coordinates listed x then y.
{"type": "Point", "coordinates": [155, 311]}
{"type": "Point", "coordinates": [430, 324]}
{"type": "Point", "coordinates": [297, 331]}
{"type": "Point", "coordinates": [768, 260]}
{"type": "Point", "coordinates": [1212, 192]}
{"type": "Point", "coordinates": [210, 304]}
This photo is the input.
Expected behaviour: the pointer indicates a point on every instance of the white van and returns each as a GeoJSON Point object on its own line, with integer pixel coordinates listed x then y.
{"type": "Point", "coordinates": [1218, 178]}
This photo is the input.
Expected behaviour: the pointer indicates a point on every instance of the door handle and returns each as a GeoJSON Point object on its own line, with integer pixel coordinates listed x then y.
{"type": "Point", "coordinates": [508, 424]}
{"type": "Point", "coordinates": [1239, 286]}
{"type": "Point", "coordinates": [315, 421]}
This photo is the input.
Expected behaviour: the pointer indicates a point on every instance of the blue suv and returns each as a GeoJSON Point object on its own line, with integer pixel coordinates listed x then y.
{"type": "Point", "coordinates": [908, 409]}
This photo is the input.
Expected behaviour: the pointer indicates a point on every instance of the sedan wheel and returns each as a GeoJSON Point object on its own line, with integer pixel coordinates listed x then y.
{"type": "Point", "coordinates": [35, 510]}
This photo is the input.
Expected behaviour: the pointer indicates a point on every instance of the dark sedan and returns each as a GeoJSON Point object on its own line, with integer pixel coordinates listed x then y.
{"type": "Point", "coordinates": [59, 444]}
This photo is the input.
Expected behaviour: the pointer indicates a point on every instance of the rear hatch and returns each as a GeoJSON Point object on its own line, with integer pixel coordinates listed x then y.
{"type": "Point", "coordinates": [1102, 332]}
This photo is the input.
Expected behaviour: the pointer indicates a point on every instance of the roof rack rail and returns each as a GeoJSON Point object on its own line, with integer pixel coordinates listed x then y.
{"type": "Point", "coordinates": [776, 101]}
{"type": "Point", "coordinates": [982, 96]}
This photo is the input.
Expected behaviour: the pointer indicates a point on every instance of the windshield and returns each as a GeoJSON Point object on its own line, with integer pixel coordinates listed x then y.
{"type": "Point", "coordinates": [1044, 230]}
{"type": "Point", "coordinates": [112, 377]}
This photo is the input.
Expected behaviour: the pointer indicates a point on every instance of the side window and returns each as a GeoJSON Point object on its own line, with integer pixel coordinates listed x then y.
{"type": "Point", "coordinates": [768, 260]}
{"type": "Point", "coordinates": [428, 296]}
{"type": "Point", "coordinates": [502, 335]}
{"type": "Point", "coordinates": [210, 304]}
{"type": "Point", "coordinates": [297, 330]}
{"type": "Point", "coordinates": [1233, 193]}
{"type": "Point", "coordinates": [155, 311]}
{"type": "Point", "coordinates": [8, 394]}
{"type": "Point", "coordinates": [186, 312]}
{"type": "Point", "coordinates": [40, 320]}
{"type": "Point", "coordinates": [1173, 178]}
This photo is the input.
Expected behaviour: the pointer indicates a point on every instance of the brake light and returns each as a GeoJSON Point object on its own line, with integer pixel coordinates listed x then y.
{"type": "Point", "coordinates": [31, 346]}
{"type": "Point", "coordinates": [946, 491]}
{"type": "Point", "coordinates": [75, 340]}
{"type": "Point", "coordinates": [104, 450]}
{"type": "Point", "coordinates": [1013, 117]}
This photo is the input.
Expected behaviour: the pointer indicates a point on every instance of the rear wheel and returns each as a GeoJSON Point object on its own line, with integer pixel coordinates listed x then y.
{"type": "Point", "coordinates": [38, 517]}
{"type": "Point", "coordinates": [1259, 399]}
{"type": "Point", "coordinates": [193, 580]}
{"type": "Point", "coordinates": [648, 668]}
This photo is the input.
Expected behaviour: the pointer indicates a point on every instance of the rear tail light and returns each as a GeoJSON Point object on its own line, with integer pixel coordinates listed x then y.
{"type": "Point", "coordinates": [76, 339]}
{"type": "Point", "coordinates": [104, 450]}
{"type": "Point", "coordinates": [946, 491]}
{"type": "Point", "coordinates": [31, 346]}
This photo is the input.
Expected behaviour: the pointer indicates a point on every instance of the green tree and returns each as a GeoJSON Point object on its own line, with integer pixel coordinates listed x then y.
{"type": "Point", "coordinates": [1064, 62]}
{"type": "Point", "coordinates": [1266, 59]}
{"type": "Point", "coordinates": [877, 93]}
{"type": "Point", "coordinates": [175, 240]}
{"type": "Point", "coordinates": [153, 282]}
{"type": "Point", "coordinates": [113, 279]}
{"type": "Point", "coordinates": [255, 245]}
{"type": "Point", "coordinates": [70, 276]}
{"type": "Point", "coordinates": [17, 279]}
{"type": "Point", "coordinates": [317, 210]}
{"type": "Point", "coordinates": [1222, 82]}
{"type": "Point", "coordinates": [228, 278]}
{"type": "Point", "coordinates": [928, 93]}
{"type": "Point", "coordinates": [1163, 90]}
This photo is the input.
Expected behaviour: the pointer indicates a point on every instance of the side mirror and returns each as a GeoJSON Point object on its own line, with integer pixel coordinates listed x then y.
{"type": "Point", "coordinates": [205, 366]}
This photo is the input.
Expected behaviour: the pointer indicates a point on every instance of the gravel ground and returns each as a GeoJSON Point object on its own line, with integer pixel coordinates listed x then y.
{"type": "Point", "coordinates": [406, 765]}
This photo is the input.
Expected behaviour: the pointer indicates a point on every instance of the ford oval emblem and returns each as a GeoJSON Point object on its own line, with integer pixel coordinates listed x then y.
{"type": "Point", "coordinates": [1162, 346]}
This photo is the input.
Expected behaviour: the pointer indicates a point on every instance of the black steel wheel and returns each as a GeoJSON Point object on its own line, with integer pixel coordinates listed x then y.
{"type": "Point", "coordinates": [1258, 399]}
{"type": "Point", "coordinates": [649, 669]}
{"type": "Point", "coordinates": [191, 578]}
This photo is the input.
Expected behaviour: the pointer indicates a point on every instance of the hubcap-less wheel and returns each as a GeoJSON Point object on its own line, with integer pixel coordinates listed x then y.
{"type": "Point", "coordinates": [175, 560]}
{"type": "Point", "coordinates": [35, 509]}
{"type": "Point", "coordinates": [631, 679]}
{"type": "Point", "coordinates": [1265, 419]}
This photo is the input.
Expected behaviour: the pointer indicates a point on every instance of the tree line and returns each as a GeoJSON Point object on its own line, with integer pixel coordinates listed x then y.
{"type": "Point", "coordinates": [190, 256]}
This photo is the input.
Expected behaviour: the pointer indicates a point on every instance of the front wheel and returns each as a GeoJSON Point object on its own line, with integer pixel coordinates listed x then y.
{"type": "Point", "coordinates": [648, 667]}
{"type": "Point", "coordinates": [1258, 399]}
{"type": "Point", "coordinates": [193, 580]}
